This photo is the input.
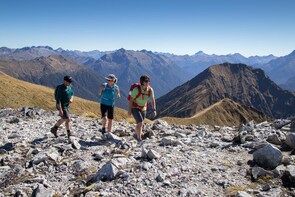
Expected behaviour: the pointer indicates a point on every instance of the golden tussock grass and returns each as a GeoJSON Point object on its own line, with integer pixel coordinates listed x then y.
{"type": "Point", "coordinates": [15, 94]}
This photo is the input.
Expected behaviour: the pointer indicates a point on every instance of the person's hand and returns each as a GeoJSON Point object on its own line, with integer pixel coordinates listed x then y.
{"type": "Point", "coordinates": [154, 114]}
{"type": "Point", "coordinates": [129, 113]}
{"type": "Point", "coordinates": [61, 113]}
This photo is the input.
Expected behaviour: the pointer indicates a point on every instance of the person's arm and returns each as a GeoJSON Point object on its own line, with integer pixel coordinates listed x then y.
{"type": "Point", "coordinates": [101, 88]}
{"type": "Point", "coordinates": [153, 102]}
{"type": "Point", "coordinates": [118, 92]}
{"type": "Point", "coordinates": [58, 101]}
{"type": "Point", "coordinates": [133, 95]}
{"type": "Point", "coordinates": [72, 99]}
{"type": "Point", "coordinates": [129, 106]}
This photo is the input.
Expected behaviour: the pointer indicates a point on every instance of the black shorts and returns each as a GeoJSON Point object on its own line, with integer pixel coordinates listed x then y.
{"type": "Point", "coordinates": [138, 115]}
{"type": "Point", "coordinates": [106, 109]}
{"type": "Point", "coordinates": [66, 114]}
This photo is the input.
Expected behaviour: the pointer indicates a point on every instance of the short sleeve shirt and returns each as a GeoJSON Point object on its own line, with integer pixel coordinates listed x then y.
{"type": "Point", "coordinates": [64, 95]}
{"type": "Point", "coordinates": [143, 98]}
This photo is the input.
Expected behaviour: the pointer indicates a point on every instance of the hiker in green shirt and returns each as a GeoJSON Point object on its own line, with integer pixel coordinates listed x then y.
{"type": "Point", "coordinates": [138, 97]}
{"type": "Point", "coordinates": [64, 97]}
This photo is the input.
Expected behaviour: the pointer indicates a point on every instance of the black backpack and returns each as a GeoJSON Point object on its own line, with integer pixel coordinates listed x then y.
{"type": "Point", "coordinates": [55, 91]}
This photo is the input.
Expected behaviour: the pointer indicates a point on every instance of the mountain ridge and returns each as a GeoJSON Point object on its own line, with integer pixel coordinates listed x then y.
{"type": "Point", "coordinates": [239, 82]}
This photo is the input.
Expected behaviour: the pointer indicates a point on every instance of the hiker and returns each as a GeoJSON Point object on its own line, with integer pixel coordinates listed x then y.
{"type": "Point", "coordinates": [64, 97]}
{"type": "Point", "coordinates": [138, 97]}
{"type": "Point", "coordinates": [108, 92]}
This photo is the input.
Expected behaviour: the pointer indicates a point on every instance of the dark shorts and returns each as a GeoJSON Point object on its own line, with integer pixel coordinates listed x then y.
{"type": "Point", "coordinates": [138, 115]}
{"type": "Point", "coordinates": [105, 109]}
{"type": "Point", "coordinates": [66, 114]}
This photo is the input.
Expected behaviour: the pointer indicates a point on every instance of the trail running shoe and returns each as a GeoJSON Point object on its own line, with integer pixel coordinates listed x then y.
{"type": "Point", "coordinates": [53, 130]}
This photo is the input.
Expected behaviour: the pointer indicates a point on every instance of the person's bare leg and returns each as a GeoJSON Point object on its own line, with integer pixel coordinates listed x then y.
{"type": "Point", "coordinates": [110, 124]}
{"type": "Point", "coordinates": [68, 127]}
{"type": "Point", "coordinates": [138, 129]}
{"type": "Point", "coordinates": [68, 124]}
{"type": "Point", "coordinates": [104, 122]}
{"type": "Point", "coordinates": [59, 122]}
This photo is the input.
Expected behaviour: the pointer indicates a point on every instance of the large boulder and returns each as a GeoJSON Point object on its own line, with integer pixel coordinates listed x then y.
{"type": "Point", "coordinates": [290, 140]}
{"type": "Point", "coordinates": [268, 157]}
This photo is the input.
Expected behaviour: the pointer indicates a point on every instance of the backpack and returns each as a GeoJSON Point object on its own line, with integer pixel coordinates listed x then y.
{"type": "Point", "coordinates": [107, 90]}
{"type": "Point", "coordinates": [55, 91]}
{"type": "Point", "coordinates": [137, 85]}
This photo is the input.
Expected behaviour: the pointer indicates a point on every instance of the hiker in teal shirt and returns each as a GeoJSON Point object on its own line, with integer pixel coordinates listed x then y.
{"type": "Point", "coordinates": [64, 97]}
{"type": "Point", "coordinates": [108, 92]}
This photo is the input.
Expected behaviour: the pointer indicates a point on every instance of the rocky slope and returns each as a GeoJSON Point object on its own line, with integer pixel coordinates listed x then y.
{"type": "Point", "coordinates": [195, 160]}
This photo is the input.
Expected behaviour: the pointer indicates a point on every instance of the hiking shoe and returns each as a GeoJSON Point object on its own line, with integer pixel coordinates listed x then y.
{"type": "Point", "coordinates": [136, 137]}
{"type": "Point", "coordinates": [53, 130]}
{"type": "Point", "coordinates": [69, 133]}
{"type": "Point", "coordinates": [103, 130]}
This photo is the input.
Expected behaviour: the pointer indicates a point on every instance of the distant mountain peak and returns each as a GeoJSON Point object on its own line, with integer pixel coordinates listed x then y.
{"type": "Point", "coordinates": [199, 53]}
{"type": "Point", "coordinates": [292, 53]}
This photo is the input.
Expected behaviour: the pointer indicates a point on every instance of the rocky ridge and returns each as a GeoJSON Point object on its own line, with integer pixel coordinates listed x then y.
{"type": "Point", "coordinates": [173, 160]}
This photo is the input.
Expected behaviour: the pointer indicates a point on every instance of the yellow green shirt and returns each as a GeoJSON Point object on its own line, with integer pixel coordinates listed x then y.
{"type": "Point", "coordinates": [143, 98]}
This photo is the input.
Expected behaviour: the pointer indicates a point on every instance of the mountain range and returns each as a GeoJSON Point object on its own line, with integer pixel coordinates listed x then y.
{"type": "Point", "coordinates": [282, 69]}
{"type": "Point", "coordinates": [168, 72]}
{"type": "Point", "coordinates": [15, 93]}
{"type": "Point", "coordinates": [239, 82]}
{"type": "Point", "coordinates": [129, 65]}
{"type": "Point", "coordinates": [50, 70]}
{"type": "Point", "coordinates": [198, 62]}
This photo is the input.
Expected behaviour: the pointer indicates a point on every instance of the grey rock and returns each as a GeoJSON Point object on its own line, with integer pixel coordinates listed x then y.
{"type": "Point", "coordinates": [268, 157]}
{"type": "Point", "coordinates": [274, 139]}
{"type": "Point", "coordinates": [146, 165]}
{"type": "Point", "coordinates": [168, 141]}
{"type": "Point", "coordinates": [243, 194]}
{"type": "Point", "coordinates": [108, 172]}
{"type": "Point", "coordinates": [160, 177]}
{"type": "Point", "coordinates": [41, 191]}
{"type": "Point", "coordinates": [75, 144]}
{"type": "Point", "coordinates": [153, 154]}
{"type": "Point", "coordinates": [292, 126]}
{"type": "Point", "coordinates": [288, 177]}
{"type": "Point", "coordinates": [290, 140]}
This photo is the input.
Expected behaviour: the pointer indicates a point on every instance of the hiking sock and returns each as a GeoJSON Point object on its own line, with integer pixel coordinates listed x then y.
{"type": "Point", "coordinates": [103, 130]}
{"type": "Point", "coordinates": [69, 133]}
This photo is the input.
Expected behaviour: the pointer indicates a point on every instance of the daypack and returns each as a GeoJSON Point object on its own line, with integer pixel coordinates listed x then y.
{"type": "Point", "coordinates": [107, 93]}
{"type": "Point", "coordinates": [137, 85]}
{"type": "Point", "coordinates": [55, 91]}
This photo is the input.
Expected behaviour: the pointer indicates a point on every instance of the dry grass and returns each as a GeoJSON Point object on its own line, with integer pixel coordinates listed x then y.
{"type": "Point", "coordinates": [225, 112]}
{"type": "Point", "coordinates": [16, 94]}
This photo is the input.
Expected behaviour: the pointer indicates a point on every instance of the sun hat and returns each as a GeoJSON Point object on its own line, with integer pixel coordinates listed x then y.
{"type": "Point", "coordinates": [111, 77]}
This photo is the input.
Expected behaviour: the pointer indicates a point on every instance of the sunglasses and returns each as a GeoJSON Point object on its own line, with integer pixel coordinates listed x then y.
{"type": "Point", "coordinates": [147, 81]}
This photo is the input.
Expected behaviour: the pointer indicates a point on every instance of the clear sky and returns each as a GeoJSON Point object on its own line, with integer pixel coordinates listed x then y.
{"type": "Point", "coordinates": [249, 27]}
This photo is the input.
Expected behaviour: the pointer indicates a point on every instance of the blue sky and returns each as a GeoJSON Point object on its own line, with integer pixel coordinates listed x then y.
{"type": "Point", "coordinates": [249, 27]}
